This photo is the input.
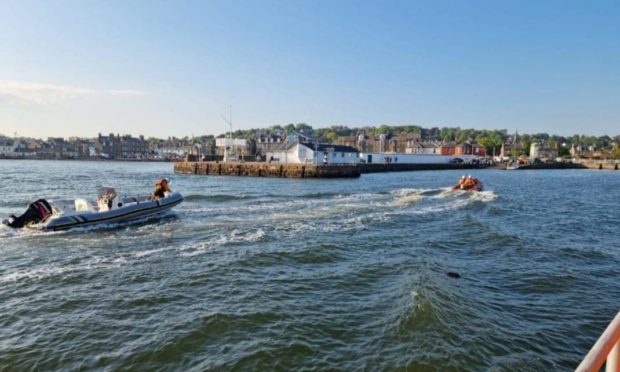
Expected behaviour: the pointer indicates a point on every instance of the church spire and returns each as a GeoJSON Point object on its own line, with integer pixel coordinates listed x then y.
{"type": "Point", "coordinates": [516, 137]}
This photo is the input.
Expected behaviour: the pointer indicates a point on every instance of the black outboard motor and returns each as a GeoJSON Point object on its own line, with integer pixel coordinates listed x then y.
{"type": "Point", "coordinates": [37, 212]}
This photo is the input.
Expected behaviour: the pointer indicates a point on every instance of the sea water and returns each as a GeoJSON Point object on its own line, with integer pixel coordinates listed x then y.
{"type": "Point", "coordinates": [348, 274]}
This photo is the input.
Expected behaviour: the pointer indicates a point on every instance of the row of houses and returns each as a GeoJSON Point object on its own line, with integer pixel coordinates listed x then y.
{"type": "Point", "coordinates": [369, 148]}
{"type": "Point", "coordinates": [319, 153]}
{"type": "Point", "coordinates": [544, 151]}
{"type": "Point", "coordinates": [409, 148]}
{"type": "Point", "coordinates": [10, 146]}
{"type": "Point", "coordinates": [590, 152]}
{"type": "Point", "coordinates": [121, 147]}
{"type": "Point", "coordinates": [110, 147]}
{"type": "Point", "coordinates": [408, 143]}
{"type": "Point", "coordinates": [116, 146]}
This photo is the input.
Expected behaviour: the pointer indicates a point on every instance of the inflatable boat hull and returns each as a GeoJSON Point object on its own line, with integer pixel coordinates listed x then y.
{"type": "Point", "coordinates": [476, 187]}
{"type": "Point", "coordinates": [124, 213]}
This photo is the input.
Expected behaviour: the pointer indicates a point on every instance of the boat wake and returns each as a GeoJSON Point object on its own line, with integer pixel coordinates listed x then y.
{"type": "Point", "coordinates": [412, 196]}
{"type": "Point", "coordinates": [483, 196]}
{"type": "Point", "coordinates": [233, 237]}
{"type": "Point", "coordinates": [216, 198]}
{"type": "Point", "coordinates": [403, 197]}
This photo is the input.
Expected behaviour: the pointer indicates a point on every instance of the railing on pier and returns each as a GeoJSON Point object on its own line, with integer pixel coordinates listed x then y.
{"type": "Point", "coordinates": [607, 347]}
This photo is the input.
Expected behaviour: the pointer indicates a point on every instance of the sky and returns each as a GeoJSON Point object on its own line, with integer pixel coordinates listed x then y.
{"type": "Point", "coordinates": [173, 68]}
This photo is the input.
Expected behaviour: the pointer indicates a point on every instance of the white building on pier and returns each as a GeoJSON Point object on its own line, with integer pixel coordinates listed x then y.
{"type": "Point", "coordinates": [312, 153]}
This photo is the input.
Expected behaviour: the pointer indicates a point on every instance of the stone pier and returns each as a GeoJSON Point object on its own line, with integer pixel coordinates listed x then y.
{"type": "Point", "coordinates": [401, 167]}
{"type": "Point", "coordinates": [602, 165]}
{"type": "Point", "coordinates": [255, 169]}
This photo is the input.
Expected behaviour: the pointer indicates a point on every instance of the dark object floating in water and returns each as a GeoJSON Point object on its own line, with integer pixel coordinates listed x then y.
{"type": "Point", "coordinates": [454, 275]}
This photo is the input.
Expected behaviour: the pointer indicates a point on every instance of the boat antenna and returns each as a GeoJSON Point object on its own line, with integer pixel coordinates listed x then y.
{"type": "Point", "coordinates": [229, 121]}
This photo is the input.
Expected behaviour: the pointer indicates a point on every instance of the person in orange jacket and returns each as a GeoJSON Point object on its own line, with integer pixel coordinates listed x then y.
{"type": "Point", "coordinates": [462, 182]}
{"type": "Point", "coordinates": [161, 188]}
{"type": "Point", "coordinates": [469, 182]}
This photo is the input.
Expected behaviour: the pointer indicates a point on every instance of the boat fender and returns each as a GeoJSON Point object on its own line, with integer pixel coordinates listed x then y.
{"type": "Point", "coordinates": [120, 205]}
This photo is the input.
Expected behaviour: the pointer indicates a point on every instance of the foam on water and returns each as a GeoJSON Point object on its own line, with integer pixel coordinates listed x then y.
{"type": "Point", "coordinates": [233, 237]}
{"type": "Point", "coordinates": [52, 270]}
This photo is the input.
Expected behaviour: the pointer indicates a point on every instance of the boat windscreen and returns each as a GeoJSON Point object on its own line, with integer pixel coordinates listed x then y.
{"type": "Point", "coordinates": [106, 193]}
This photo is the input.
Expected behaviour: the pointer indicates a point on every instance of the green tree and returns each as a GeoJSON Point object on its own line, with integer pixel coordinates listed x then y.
{"type": "Point", "coordinates": [289, 128]}
{"type": "Point", "coordinates": [527, 141]}
{"type": "Point", "coordinates": [604, 142]}
{"type": "Point", "coordinates": [331, 136]}
{"type": "Point", "coordinates": [301, 127]}
{"type": "Point", "coordinates": [466, 135]}
{"type": "Point", "coordinates": [276, 128]}
{"type": "Point", "coordinates": [384, 129]}
{"type": "Point", "coordinates": [153, 142]}
{"type": "Point", "coordinates": [449, 134]}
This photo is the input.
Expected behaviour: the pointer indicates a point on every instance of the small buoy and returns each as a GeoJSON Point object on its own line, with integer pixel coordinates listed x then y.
{"type": "Point", "coordinates": [454, 275]}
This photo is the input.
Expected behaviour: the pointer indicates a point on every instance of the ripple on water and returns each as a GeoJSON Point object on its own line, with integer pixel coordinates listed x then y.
{"type": "Point", "coordinates": [337, 274]}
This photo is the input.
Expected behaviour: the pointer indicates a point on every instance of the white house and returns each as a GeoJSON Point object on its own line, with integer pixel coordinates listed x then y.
{"type": "Point", "coordinates": [7, 146]}
{"type": "Point", "coordinates": [231, 148]}
{"type": "Point", "coordinates": [404, 158]}
{"type": "Point", "coordinates": [312, 153]}
{"type": "Point", "coordinates": [427, 148]}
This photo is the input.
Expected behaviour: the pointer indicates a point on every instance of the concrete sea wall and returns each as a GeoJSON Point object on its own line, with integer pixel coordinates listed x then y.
{"type": "Point", "coordinates": [255, 169]}
{"type": "Point", "coordinates": [602, 165]}
{"type": "Point", "coordinates": [399, 167]}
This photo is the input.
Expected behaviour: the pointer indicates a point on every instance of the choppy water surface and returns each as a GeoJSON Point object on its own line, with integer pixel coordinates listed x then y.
{"type": "Point", "coordinates": [261, 274]}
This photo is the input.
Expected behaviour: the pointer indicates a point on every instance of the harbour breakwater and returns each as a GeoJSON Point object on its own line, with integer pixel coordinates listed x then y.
{"type": "Point", "coordinates": [256, 169]}
{"type": "Point", "coordinates": [377, 168]}
{"type": "Point", "coordinates": [602, 164]}
{"type": "Point", "coordinates": [553, 166]}
{"type": "Point", "coordinates": [261, 169]}
{"type": "Point", "coordinates": [599, 165]}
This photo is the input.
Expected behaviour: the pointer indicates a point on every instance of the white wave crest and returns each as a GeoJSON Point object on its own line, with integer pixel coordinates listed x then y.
{"type": "Point", "coordinates": [57, 270]}
{"type": "Point", "coordinates": [234, 237]}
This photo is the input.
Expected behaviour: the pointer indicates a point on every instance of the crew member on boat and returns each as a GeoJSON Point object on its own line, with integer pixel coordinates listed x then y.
{"type": "Point", "coordinates": [161, 188]}
{"type": "Point", "coordinates": [462, 182]}
{"type": "Point", "coordinates": [470, 182]}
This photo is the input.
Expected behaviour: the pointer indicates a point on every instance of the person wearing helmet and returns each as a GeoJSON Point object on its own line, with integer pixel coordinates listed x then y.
{"type": "Point", "coordinates": [462, 182]}
{"type": "Point", "coordinates": [469, 182]}
{"type": "Point", "coordinates": [161, 189]}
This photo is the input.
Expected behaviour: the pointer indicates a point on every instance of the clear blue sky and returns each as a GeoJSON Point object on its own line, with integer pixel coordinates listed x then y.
{"type": "Point", "coordinates": [163, 68]}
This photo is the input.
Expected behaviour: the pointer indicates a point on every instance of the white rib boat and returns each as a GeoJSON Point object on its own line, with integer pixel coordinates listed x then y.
{"type": "Point", "coordinates": [108, 210]}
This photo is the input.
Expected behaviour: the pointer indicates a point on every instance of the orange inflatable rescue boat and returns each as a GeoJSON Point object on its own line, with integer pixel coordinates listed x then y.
{"type": "Point", "coordinates": [468, 183]}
